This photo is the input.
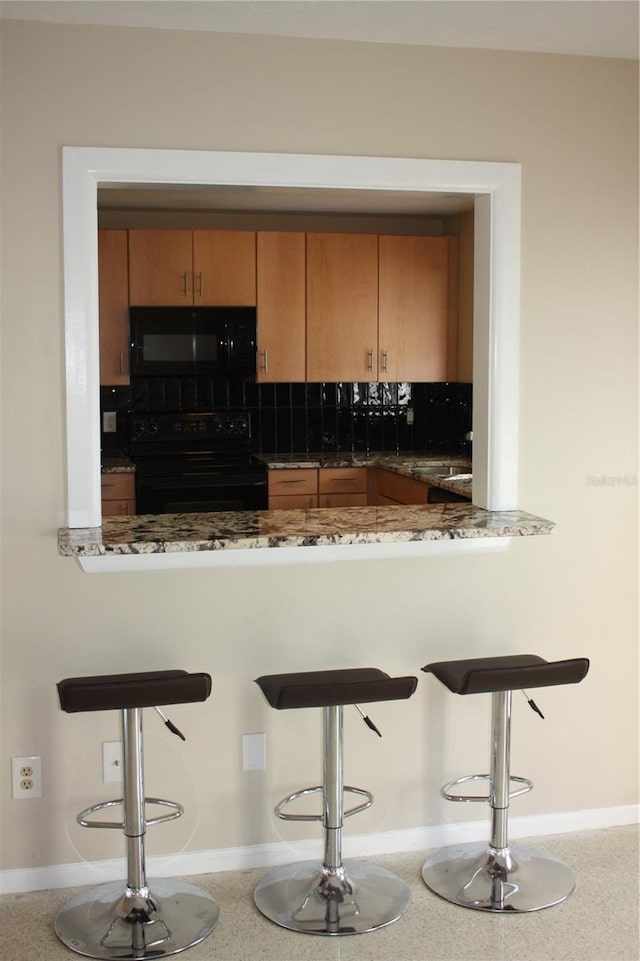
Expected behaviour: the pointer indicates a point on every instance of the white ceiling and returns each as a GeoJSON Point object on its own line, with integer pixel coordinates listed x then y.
{"type": "Point", "coordinates": [598, 28]}
{"type": "Point", "coordinates": [281, 199]}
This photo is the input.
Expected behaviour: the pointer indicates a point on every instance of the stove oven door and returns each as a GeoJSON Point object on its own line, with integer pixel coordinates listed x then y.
{"type": "Point", "coordinates": [199, 489]}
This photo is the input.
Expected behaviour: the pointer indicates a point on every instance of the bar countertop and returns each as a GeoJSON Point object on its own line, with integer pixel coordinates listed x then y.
{"type": "Point", "coordinates": [228, 531]}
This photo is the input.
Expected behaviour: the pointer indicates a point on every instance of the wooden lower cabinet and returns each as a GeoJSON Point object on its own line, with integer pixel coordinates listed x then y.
{"type": "Point", "coordinates": [294, 488]}
{"type": "Point", "coordinates": [342, 487]}
{"type": "Point", "coordinates": [305, 487]}
{"type": "Point", "coordinates": [342, 500]}
{"type": "Point", "coordinates": [292, 502]}
{"type": "Point", "coordinates": [118, 495]}
{"type": "Point", "coordinates": [395, 489]}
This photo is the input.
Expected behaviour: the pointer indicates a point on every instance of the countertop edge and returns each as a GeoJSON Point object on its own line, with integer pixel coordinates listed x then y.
{"type": "Point", "coordinates": [394, 525]}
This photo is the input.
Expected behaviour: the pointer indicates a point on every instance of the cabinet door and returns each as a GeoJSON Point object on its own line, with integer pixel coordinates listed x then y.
{"type": "Point", "coordinates": [113, 288]}
{"type": "Point", "coordinates": [413, 308]}
{"type": "Point", "coordinates": [400, 490]}
{"type": "Point", "coordinates": [160, 268]}
{"type": "Point", "coordinates": [118, 495]}
{"type": "Point", "coordinates": [224, 268]}
{"type": "Point", "coordinates": [342, 500]}
{"type": "Point", "coordinates": [281, 301]}
{"type": "Point", "coordinates": [342, 307]}
{"type": "Point", "coordinates": [289, 502]}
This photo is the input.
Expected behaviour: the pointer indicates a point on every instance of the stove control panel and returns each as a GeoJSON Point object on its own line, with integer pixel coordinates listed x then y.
{"type": "Point", "coordinates": [230, 425]}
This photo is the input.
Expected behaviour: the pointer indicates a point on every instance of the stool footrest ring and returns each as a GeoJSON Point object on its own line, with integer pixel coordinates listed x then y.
{"type": "Point", "coordinates": [279, 809]}
{"type": "Point", "coordinates": [177, 811]}
{"type": "Point", "coordinates": [449, 796]}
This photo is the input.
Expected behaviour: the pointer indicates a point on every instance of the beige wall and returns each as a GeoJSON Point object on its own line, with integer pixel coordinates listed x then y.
{"type": "Point", "coordinates": [572, 124]}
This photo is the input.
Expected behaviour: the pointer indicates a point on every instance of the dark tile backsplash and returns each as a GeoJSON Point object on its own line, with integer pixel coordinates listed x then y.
{"type": "Point", "coordinates": [297, 418]}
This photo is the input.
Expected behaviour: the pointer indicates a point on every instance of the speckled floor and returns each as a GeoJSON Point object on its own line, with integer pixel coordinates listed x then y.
{"type": "Point", "coordinates": [599, 922]}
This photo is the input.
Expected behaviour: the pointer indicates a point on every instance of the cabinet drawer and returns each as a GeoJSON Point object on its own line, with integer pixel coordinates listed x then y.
{"type": "Point", "coordinates": [287, 502]}
{"type": "Point", "coordinates": [296, 481]}
{"type": "Point", "coordinates": [342, 500]}
{"type": "Point", "coordinates": [342, 480]}
{"type": "Point", "coordinates": [117, 487]}
{"type": "Point", "coordinates": [118, 508]}
{"type": "Point", "coordinates": [400, 489]}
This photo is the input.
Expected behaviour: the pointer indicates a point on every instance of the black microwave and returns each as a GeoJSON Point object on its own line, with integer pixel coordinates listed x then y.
{"type": "Point", "coordinates": [174, 341]}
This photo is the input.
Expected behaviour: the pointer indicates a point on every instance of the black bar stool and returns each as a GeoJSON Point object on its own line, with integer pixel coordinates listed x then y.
{"type": "Point", "coordinates": [499, 877]}
{"type": "Point", "coordinates": [114, 921]}
{"type": "Point", "coordinates": [331, 897]}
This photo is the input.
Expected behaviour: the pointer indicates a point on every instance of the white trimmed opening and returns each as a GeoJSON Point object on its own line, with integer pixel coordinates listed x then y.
{"type": "Point", "coordinates": [495, 186]}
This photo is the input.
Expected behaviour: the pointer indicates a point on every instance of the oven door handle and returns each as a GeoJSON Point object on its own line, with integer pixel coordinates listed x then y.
{"type": "Point", "coordinates": [218, 480]}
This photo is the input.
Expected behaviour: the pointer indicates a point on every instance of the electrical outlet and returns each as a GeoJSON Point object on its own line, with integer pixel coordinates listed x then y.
{"type": "Point", "coordinates": [26, 777]}
{"type": "Point", "coordinates": [112, 761]}
{"type": "Point", "coordinates": [410, 415]}
{"type": "Point", "coordinates": [254, 752]}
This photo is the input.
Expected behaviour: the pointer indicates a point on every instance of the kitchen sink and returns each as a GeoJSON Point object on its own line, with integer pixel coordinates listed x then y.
{"type": "Point", "coordinates": [443, 470]}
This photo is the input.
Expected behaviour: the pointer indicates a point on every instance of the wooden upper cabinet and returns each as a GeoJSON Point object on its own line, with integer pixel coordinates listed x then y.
{"type": "Point", "coordinates": [342, 307]}
{"type": "Point", "coordinates": [160, 268]}
{"type": "Point", "coordinates": [186, 267]}
{"type": "Point", "coordinates": [113, 293]}
{"type": "Point", "coordinates": [281, 301]}
{"type": "Point", "coordinates": [415, 341]}
{"type": "Point", "coordinates": [224, 268]}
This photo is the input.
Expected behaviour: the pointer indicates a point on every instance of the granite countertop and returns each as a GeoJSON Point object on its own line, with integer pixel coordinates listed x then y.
{"type": "Point", "coordinates": [315, 527]}
{"type": "Point", "coordinates": [420, 466]}
{"type": "Point", "coordinates": [117, 465]}
{"type": "Point", "coordinates": [409, 460]}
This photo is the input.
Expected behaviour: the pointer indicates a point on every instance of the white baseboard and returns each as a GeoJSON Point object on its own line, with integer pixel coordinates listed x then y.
{"type": "Point", "coordinates": [187, 863]}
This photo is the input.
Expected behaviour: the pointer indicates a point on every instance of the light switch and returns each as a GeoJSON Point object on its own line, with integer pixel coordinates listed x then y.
{"type": "Point", "coordinates": [109, 422]}
{"type": "Point", "coordinates": [254, 752]}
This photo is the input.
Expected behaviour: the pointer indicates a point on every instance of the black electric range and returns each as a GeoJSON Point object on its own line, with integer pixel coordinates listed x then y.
{"type": "Point", "coordinates": [196, 462]}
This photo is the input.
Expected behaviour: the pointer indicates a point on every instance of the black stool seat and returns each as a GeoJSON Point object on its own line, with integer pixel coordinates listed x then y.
{"type": "Point", "coordinates": [483, 675]}
{"type": "Point", "coordinates": [109, 692]}
{"type": "Point", "coordinates": [333, 688]}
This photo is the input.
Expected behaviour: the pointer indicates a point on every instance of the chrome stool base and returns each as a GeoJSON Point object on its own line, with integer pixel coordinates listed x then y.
{"type": "Point", "coordinates": [114, 924]}
{"type": "Point", "coordinates": [312, 899]}
{"type": "Point", "coordinates": [513, 880]}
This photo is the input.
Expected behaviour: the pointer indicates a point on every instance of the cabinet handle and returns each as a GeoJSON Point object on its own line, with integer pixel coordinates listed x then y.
{"type": "Point", "coordinates": [121, 363]}
{"type": "Point", "coordinates": [292, 482]}
{"type": "Point", "coordinates": [185, 283]}
{"type": "Point", "coordinates": [369, 360]}
{"type": "Point", "coordinates": [385, 358]}
{"type": "Point", "coordinates": [200, 285]}
{"type": "Point", "coordinates": [265, 360]}
{"type": "Point", "coordinates": [343, 480]}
